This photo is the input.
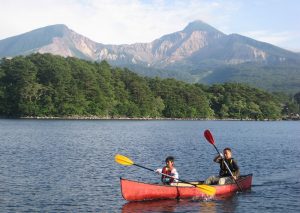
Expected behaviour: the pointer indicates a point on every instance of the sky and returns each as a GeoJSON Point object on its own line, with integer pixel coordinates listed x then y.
{"type": "Point", "coordinates": [130, 21]}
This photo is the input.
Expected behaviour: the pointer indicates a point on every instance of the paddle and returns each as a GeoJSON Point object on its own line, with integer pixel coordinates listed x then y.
{"type": "Point", "coordinates": [210, 139]}
{"type": "Point", "coordinates": [125, 161]}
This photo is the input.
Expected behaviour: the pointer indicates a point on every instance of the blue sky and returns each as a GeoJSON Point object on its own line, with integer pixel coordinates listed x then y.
{"type": "Point", "coordinates": [129, 21]}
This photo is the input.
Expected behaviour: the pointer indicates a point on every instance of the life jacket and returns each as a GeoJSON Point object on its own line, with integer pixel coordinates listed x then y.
{"type": "Point", "coordinates": [165, 179]}
{"type": "Point", "coordinates": [232, 166]}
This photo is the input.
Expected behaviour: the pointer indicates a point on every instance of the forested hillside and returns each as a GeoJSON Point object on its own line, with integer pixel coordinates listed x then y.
{"type": "Point", "coordinates": [43, 85]}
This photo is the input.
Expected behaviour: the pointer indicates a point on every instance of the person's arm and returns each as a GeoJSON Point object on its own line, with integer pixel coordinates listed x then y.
{"type": "Point", "coordinates": [175, 174]}
{"type": "Point", "coordinates": [218, 158]}
{"type": "Point", "coordinates": [158, 170]}
{"type": "Point", "coordinates": [236, 172]}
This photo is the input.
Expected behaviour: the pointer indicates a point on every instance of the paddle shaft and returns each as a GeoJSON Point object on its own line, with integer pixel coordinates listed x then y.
{"type": "Point", "coordinates": [228, 168]}
{"type": "Point", "coordinates": [182, 181]}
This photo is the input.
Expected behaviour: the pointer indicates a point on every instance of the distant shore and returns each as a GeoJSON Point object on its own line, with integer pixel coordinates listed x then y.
{"type": "Point", "coordinates": [139, 118]}
{"type": "Point", "coordinates": [286, 118]}
{"type": "Point", "coordinates": [114, 118]}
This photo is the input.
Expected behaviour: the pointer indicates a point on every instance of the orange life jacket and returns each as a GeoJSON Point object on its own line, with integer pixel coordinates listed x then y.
{"type": "Point", "coordinates": [165, 179]}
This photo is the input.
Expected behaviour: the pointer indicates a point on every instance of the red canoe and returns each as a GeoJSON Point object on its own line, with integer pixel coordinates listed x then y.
{"type": "Point", "coordinates": [138, 191]}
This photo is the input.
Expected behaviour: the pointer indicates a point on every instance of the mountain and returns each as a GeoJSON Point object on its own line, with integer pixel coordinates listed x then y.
{"type": "Point", "coordinates": [198, 53]}
{"type": "Point", "coordinates": [55, 39]}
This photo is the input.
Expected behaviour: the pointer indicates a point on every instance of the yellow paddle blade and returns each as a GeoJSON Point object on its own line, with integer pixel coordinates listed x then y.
{"type": "Point", "coordinates": [125, 161]}
{"type": "Point", "coordinates": [206, 189]}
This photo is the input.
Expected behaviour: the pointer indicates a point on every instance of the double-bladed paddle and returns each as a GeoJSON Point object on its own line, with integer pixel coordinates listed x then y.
{"type": "Point", "coordinates": [210, 139]}
{"type": "Point", "coordinates": [125, 161]}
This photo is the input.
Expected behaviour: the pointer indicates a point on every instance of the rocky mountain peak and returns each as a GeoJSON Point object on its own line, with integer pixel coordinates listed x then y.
{"type": "Point", "coordinates": [57, 30]}
{"type": "Point", "coordinates": [29, 42]}
{"type": "Point", "coordinates": [197, 43]}
{"type": "Point", "coordinates": [200, 26]}
{"type": "Point", "coordinates": [197, 53]}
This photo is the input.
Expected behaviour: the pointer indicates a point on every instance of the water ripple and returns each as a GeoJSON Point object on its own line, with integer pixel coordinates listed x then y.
{"type": "Point", "coordinates": [68, 166]}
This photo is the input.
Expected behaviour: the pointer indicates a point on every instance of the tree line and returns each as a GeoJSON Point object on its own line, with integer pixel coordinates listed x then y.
{"type": "Point", "coordinates": [44, 85]}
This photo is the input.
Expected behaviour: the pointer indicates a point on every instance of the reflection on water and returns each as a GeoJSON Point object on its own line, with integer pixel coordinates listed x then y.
{"type": "Point", "coordinates": [221, 204]}
{"type": "Point", "coordinates": [150, 206]}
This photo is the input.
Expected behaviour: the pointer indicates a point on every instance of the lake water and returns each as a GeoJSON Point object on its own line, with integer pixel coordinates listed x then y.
{"type": "Point", "coordinates": [68, 166]}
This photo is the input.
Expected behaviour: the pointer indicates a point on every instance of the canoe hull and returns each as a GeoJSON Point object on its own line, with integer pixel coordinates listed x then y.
{"type": "Point", "coordinates": [138, 191]}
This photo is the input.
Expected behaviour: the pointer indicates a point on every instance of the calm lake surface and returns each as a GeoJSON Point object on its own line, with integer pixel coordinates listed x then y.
{"type": "Point", "coordinates": [68, 166]}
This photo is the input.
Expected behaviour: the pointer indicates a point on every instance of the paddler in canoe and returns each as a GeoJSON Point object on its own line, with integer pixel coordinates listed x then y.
{"type": "Point", "coordinates": [169, 170]}
{"type": "Point", "coordinates": [224, 176]}
{"type": "Point", "coordinates": [209, 137]}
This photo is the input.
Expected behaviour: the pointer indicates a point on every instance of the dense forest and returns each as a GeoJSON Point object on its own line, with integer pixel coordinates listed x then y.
{"type": "Point", "coordinates": [43, 85]}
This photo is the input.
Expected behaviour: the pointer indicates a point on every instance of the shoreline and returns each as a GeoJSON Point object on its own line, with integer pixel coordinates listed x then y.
{"type": "Point", "coordinates": [140, 119]}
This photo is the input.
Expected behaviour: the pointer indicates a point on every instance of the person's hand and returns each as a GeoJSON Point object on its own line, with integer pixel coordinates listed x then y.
{"type": "Point", "coordinates": [221, 155]}
{"type": "Point", "coordinates": [234, 177]}
{"type": "Point", "coordinates": [158, 171]}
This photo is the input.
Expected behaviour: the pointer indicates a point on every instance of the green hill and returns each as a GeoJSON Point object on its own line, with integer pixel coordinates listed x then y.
{"type": "Point", "coordinates": [46, 85]}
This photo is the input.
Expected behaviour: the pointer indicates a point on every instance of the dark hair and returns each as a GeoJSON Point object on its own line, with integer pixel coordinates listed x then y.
{"type": "Point", "coordinates": [227, 148]}
{"type": "Point", "coordinates": [170, 158]}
